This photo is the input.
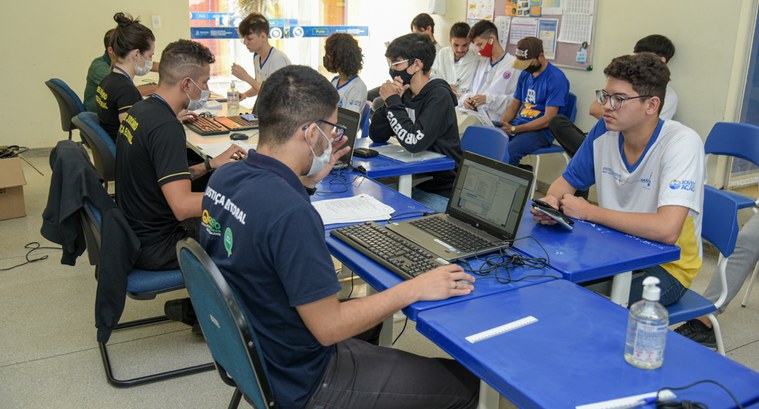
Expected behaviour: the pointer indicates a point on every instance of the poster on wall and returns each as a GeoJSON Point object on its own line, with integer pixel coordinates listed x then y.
{"type": "Point", "coordinates": [480, 9]}
{"type": "Point", "coordinates": [547, 30]}
{"type": "Point", "coordinates": [503, 24]}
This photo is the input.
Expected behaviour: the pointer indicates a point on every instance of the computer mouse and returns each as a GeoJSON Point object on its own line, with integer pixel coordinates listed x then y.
{"type": "Point", "coordinates": [365, 152]}
{"type": "Point", "coordinates": [237, 136]}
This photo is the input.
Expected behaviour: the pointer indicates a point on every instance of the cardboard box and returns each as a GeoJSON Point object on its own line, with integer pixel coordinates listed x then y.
{"type": "Point", "coordinates": [12, 183]}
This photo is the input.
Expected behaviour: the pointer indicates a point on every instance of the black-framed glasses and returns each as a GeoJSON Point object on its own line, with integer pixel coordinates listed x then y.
{"type": "Point", "coordinates": [615, 100]}
{"type": "Point", "coordinates": [337, 130]}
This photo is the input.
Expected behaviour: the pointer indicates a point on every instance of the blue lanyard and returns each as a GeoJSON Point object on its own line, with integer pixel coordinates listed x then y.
{"type": "Point", "coordinates": [116, 67]}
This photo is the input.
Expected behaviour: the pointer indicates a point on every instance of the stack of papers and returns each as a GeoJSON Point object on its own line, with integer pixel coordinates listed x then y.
{"type": "Point", "coordinates": [361, 208]}
{"type": "Point", "coordinates": [215, 149]}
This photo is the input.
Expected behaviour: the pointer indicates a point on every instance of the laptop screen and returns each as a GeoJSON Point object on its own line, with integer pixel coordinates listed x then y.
{"type": "Point", "coordinates": [490, 194]}
{"type": "Point", "coordinates": [350, 120]}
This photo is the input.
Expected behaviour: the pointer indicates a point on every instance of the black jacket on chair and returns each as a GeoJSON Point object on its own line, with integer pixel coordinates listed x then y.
{"type": "Point", "coordinates": [73, 182]}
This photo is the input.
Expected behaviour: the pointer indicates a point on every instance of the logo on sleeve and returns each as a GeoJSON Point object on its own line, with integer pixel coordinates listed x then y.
{"type": "Point", "coordinates": [677, 184]}
{"type": "Point", "coordinates": [228, 241]}
{"type": "Point", "coordinates": [210, 224]}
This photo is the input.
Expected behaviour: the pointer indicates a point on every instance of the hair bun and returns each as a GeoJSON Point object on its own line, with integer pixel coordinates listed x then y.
{"type": "Point", "coordinates": [124, 19]}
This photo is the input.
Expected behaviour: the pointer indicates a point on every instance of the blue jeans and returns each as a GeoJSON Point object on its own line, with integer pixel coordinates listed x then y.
{"type": "Point", "coordinates": [671, 289]}
{"type": "Point", "coordinates": [434, 201]}
{"type": "Point", "coordinates": [525, 143]}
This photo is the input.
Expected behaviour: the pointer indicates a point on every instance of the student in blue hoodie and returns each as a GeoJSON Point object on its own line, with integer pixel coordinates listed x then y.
{"type": "Point", "coordinates": [419, 112]}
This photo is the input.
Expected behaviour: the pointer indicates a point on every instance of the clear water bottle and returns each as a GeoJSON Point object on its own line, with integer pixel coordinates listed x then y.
{"type": "Point", "coordinates": [647, 329]}
{"type": "Point", "coordinates": [233, 100]}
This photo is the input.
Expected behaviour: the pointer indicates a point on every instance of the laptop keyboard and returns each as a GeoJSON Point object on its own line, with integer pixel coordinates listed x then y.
{"type": "Point", "coordinates": [394, 252]}
{"type": "Point", "coordinates": [206, 126]}
{"type": "Point", "coordinates": [451, 234]}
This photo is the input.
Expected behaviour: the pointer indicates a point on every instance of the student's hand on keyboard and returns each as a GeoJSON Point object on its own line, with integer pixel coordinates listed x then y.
{"type": "Point", "coordinates": [442, 282]}
{"type": "Point", "coordinates": [185, 115]}
{"type": "Point", "coordinates": [542, 218]}
{"type": "Point", "coordinates": [233, 153]}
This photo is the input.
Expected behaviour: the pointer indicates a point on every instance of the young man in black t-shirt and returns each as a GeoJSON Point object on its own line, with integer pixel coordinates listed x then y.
{"type": "Point", "coordinates": [419, 113]}
{"type": "Point", "coordinates": [152, 175]}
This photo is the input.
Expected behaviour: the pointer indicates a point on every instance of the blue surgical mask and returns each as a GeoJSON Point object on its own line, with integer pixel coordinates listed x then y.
{"type": "Point", "coordinates": [320, 161]}
{"type": "Point", "coordinates": [198, 103]}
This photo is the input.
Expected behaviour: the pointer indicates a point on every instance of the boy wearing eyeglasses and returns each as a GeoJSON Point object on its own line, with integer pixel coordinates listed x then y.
{"type": "Point", "coordinates": [649, 172]}
{"type": "Point", "coordinates": [419, 113]}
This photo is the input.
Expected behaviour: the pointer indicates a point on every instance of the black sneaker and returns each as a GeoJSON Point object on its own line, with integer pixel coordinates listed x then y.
{"type": "Point", "coordinates": [180, 310]}
{"type": "Point", "coordinates": [697, 331]}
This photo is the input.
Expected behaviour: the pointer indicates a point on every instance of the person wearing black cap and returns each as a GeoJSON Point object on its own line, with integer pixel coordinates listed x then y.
{"type": "Point", "coordinates": [541, 93]}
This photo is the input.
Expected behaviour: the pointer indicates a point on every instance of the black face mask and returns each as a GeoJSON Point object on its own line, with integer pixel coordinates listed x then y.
{"type": "Point", "coordinates": [405, 76]}
{"type": "Point", "coordinates": [532, 69]}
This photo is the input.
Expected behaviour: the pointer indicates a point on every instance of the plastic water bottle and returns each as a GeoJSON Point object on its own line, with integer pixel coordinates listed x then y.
{"type": "Point", "coordinates": [233, 99]}
{"type": "Point", "coordinates": [647, 329]}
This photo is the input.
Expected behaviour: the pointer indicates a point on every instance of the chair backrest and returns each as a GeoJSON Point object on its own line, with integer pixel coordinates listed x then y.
{"type": "Point", "coordinates": [102, 145]}
{"type": "Point", "coordinates": [487, 141]}
{"type": "Point", "coordinates": [571, 108]}
{"type": "Point", "coordinates": [228, 333]}
{"type": "Point", "coordinates": [734, 139]}
{"type": "Point", "coordinates": [365, 114]}
{"type": "Point", "coordinates": [69, 103]}
{"type": "Point", "coordinates": [719, 224]}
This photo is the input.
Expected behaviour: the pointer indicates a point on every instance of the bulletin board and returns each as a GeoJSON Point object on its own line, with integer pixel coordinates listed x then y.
{"type": "Point", "coordinates": [566, 26]}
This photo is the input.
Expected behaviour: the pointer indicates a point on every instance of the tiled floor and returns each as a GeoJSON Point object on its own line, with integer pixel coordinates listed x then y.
{"type": "Point", "coordinates": [49, 357]}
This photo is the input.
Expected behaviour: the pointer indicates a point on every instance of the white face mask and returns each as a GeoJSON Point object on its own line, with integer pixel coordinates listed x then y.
{"type": "Point", "coordinates": [144, 70]}
{"type": "Point", "coordinates": [198, 103]}
{"type": "Point", "coordinates": [319, 162]}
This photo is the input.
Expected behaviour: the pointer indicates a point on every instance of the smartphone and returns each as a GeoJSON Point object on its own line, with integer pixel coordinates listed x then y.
{"type": "Point", "coordinates": [249, 117]}
{"type": "Point", "coordinates": [555, 214]}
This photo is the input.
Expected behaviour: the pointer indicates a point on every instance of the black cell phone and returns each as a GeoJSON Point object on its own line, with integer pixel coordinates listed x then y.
{"type": "Point", "coordinates": [365, 152]}
{"type": "Point", "coordinates": [555, 214]}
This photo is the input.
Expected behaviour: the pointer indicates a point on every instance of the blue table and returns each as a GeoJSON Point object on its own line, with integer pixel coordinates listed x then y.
{"type": "Point", "coordinates": [342, 184]}
{"type": "Point", "coordinates": [593, 251]}
{"type": "Point", "coordinates": [383, 167]}
{"type": "Point", "coordinates": [573, 354]}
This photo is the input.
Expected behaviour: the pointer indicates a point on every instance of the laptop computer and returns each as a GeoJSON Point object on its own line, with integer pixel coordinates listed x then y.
{"type": "Point", "coordinates": [483, 213]}
{"type": "Point", "coordinates": [350, 119]}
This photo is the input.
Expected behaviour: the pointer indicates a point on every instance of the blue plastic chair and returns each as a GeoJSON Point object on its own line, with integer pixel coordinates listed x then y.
{"type": "Point", "coordinates": [365, 115]}
{"type": "Point", "coordinates": [486, 141]}
{"type": "Point", "coordinates": [69, 104]}
{"type": "Point", "coordinates": [229, 335]}
{"type": "Point", "coordinates": [719, 226]}
{"type": "Point", "coordinates": [102, 145]}
{"type": "Point", "coordinates": [141, 285]}
{"type": "Point", "coordinates": [570, 110]}
{"type": "Point", "coordinates": [736, 140]}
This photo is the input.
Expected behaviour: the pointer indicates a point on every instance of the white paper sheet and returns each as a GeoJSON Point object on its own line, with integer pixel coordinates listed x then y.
{"type": "Point", "coordinates": [480, 9]}
{"type": "Point", "coordinates": [577, 6]}
{"type": "Point", "coordinates": [522, 27]}
{"type": "Point", "coordinates": [354, 209]}
{"type": "Point", "coordinates": [503, 23]}
{"type": "Point", "coordinates": [215, 149]}
{"type": "Point", "coordinates": [547, 31]}
{"type": "Point", "coordinates": [576, 28]}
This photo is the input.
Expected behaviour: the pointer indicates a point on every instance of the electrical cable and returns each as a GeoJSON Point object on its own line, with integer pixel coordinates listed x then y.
{"type": "Point", "coordinates": [405, 322]}
{"type": "Point", "coordinates": [32, 247]}
{"type": "Point", "coordinates": [686, 404]}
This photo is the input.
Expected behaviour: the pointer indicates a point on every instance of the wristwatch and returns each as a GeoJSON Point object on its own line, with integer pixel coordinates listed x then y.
{"type": "Point", "coordinates": [513, 130]}
{"type": "Point", "coordinates": [207, 164]}
{"type": "Point", "coordinates": [310, 190]}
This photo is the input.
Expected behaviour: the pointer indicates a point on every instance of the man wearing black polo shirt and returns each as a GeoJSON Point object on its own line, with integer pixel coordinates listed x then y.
{"type": "Point", "coordinates": [268, 241]}
{"type": "Point", "coordinates": [152, 175]}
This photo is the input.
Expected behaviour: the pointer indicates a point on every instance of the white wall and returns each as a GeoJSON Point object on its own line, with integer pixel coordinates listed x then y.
{"type": "Point", "coordinates": [46, 39]}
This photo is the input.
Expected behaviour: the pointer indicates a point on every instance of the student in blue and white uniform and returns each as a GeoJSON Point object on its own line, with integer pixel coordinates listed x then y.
{"type": "Point", "coordinates": [342, 55]}
{"type": "Point", "coordinates": [495, 79]}
{"type": "Point", "coordinates": [254, 31]}
{"type": "Point", "coordinates": [649, 172]}
{"type": "Point", "coordinates": [541, 93]}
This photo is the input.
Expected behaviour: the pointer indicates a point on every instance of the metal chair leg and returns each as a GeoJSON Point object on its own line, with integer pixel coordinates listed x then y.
{"type": "Point", "coordinates": [141, 380]}
{"type": "Point", "coordinates": [236, 397]}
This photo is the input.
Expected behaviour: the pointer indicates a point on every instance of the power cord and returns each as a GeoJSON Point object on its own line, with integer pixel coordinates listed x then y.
{"type": "Point", "coordinates": [341, 179]}
{"type": "Point", "coordinates": [405, 322]}
{"type": "Point", "coordinates": [32, 247]}
{"type": "Point", "coordinates": [686, 404]}
{"type": "Point", "coordinates": [499, 266]}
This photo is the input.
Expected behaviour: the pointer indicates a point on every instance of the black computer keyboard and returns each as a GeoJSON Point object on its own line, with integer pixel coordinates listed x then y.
{"type": "Point", "coordinates": [389, 249]}
{"type": "Point", "coordinates": [237, 123]}
{"type": "Point", "coordinates": [451, 234]}
{"type": "Point", "coordinates": [206, 126]}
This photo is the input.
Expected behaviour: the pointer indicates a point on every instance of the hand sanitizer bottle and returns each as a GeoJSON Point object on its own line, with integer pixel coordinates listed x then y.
{"type": "Point", "coordinates": [647, 329]}
{"type": "Point", "coordinates": [233, 100]}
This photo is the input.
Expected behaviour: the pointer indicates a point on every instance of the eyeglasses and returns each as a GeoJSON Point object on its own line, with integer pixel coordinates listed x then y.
{"type": "Point", "coordinates": [391, 65]}
{"type": "Point", "coordinates": [615, 100]}
{"type": "Point", "coordinates": [337, 130]}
